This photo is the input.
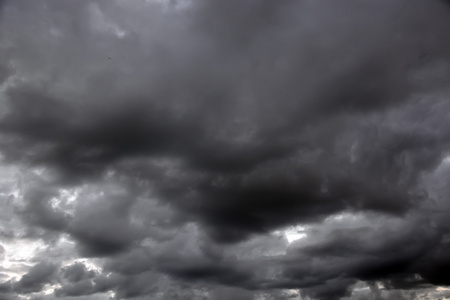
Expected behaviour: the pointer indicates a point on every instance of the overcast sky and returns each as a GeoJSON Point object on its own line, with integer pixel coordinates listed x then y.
{"type": "Point", "coordinates": [224, 149]}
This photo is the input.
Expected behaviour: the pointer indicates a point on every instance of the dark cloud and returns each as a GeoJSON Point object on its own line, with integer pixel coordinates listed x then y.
{"type": "Point", "coordinates": [38, 210]}
{"type": "Point", "coordinates": [76, 273]}
{"type": "Point", "coordinates": [230, 293]}
{"type": "Point", "coordinates": [76, 280]}
{"type": "Point", "coordinates": [37, 277]}
{"type": "Point", "coordinates": [170, 144]}
{"type": "Point", "coordinates": [333, 289]}
{"type": "Point", "coordinates": [104, 228]}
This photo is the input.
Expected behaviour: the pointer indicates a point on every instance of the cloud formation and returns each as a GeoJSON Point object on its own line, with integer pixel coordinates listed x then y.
{"type": "Point", "coordinates": [158, 150]}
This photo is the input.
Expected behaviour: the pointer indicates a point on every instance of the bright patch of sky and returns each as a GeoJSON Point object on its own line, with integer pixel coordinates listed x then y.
{"type": "Point", "coordinates": [294, 233]}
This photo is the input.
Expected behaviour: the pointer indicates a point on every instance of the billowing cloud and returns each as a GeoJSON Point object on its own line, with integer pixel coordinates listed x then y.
{"type": "Point", "coordinates": [160, 149]}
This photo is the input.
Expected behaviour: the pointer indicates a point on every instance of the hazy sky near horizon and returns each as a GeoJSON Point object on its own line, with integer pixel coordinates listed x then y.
{"type": "Point", "coordinates": [212, 149]}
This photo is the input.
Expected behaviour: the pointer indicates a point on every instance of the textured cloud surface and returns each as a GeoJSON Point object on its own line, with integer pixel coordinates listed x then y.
{"type": "Point", "coordinates": [172, 149]}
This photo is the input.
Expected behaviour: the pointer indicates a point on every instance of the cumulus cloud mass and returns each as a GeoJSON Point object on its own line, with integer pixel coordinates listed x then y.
{"type": "Point", "coordinates": [224, 150]}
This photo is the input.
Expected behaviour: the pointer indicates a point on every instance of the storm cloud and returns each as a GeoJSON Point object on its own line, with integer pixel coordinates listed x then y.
{"type": "Point", "coordinates": [171, 149]}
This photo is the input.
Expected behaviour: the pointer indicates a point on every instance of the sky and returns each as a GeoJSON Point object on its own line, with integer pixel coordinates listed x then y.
{"type": "Point", "coordinates": [225, 150]}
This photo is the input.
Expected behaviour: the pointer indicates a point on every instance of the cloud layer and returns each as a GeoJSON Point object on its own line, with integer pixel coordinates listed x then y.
{"type": "Point", "coordinates": [158, 150]}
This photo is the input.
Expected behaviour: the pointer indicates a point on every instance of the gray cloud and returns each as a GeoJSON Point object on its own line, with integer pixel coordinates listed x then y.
{"type": "Point", "coordinates": [168, 145]}
{"type": "Point", "coordinates": [36, 278]}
